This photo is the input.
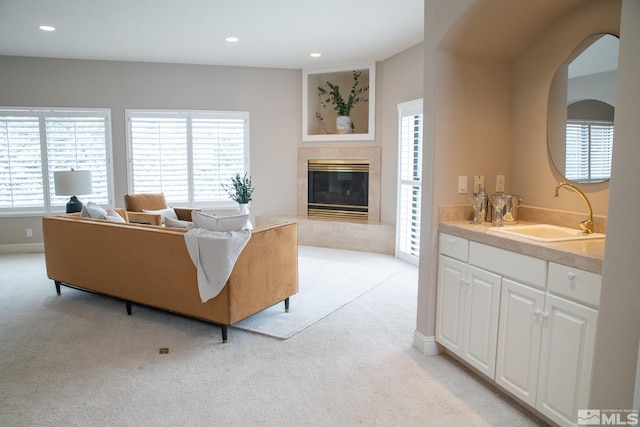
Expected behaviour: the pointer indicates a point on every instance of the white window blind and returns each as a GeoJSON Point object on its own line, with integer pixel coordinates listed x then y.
{"type": "Point", "coordinates": [589, 149]}
{"type": "Point", "coordinates": [410, 181]}
{"type": "Point", "coordinates": [34, 143]}
{"type": "Point", "coordinates": [187, 155]}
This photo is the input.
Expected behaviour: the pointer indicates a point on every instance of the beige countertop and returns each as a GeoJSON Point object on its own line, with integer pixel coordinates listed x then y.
{"type": "Point", "coordinates": [583, 254]}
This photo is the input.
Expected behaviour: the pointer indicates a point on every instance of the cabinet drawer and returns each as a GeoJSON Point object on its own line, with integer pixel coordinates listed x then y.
{"type": "Point", "coordinates": [454, 246]}
{"type": "Point", "coordinates": [578, 285]}
{"type": "Point", "coordinates": [522, 268]}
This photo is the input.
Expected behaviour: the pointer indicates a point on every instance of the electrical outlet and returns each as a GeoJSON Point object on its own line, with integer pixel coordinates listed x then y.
{"type": "Point", "coordinates": [478, 182]}
{"type": "Point", "coordinates": [29, 232]}
{"type": "Point", "coordinates": [500, 184]}
{"type": "Point", "coordinates": [462, 184]}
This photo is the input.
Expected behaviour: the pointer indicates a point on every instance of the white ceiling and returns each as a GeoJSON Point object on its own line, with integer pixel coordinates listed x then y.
{"type": "Point", "coordinates": [272, 33]}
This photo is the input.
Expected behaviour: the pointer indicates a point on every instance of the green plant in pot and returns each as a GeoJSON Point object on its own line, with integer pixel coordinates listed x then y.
{"type": "Point", "coordinates": [241, 189]}
{"type": "Point", "coordinates": [331, 95]}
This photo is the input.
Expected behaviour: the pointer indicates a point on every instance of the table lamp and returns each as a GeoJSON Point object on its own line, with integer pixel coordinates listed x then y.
{"type": "Point", "coordinates": [71, 183]}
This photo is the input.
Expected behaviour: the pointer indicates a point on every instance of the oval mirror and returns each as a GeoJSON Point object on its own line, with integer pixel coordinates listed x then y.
{"type": "Point", "coordinates": [580, 111]}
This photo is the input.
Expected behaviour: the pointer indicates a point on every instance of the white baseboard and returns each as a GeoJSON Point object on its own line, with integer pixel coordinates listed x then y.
{"type": "Point", "coordinates": [22, 248]}
{"type": "Point", "coordinates": [425, 345]}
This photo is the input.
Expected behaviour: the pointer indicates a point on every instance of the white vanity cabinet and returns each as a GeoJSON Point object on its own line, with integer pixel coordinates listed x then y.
{"type": "Point", "coordinates": [527, 323]}
{"type": "Point", "coordinates": [468, 300]}
{"type": "Point", "coordinates": [568, 339]}
{"type": "Point", "coordinates": [520, 337]}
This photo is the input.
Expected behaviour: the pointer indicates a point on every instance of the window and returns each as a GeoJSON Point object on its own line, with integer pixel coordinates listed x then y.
{"type": "Point", "coordinates": [409, 181]}
{"type": "Point", "coordinates": [589, 149]}
{"type": "Point", "coordinates": [187, 155]}
{"type": "Point", "coordinates": [34, 143]}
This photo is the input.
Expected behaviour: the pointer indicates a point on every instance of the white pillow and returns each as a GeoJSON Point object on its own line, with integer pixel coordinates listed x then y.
{"type": "Point", "coordinates": [232, 223]}
{"type": "Point", "coordinates": [114, 216]}
{"type": "Point", "coordinates": [177, 223]}
{"type": "Point", "coordinates": [92, 210]}
{"type": "Point", "coordinates": [219, 223]}
{"type": "Point", "coordinates": [204, 220]}
{"type": "Point", "coordinates": [166, 213]}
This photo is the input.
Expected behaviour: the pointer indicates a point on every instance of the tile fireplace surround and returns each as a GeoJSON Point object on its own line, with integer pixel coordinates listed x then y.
{"type": "Point", "coordinates": [370, 236]}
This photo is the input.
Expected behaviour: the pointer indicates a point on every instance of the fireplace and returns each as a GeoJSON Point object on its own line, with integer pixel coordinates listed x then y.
{"type": "Point", "coordinates": [338, 189]}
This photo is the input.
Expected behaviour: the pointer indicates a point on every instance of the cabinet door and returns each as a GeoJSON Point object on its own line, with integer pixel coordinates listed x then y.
{"type": "Point", "coordinates": [519, 338]}
{"type": "Point", "coordinates": [566, 359]}
{"type": "Point", "coordinates": [482, 307]}
{"type": "Point", "coordinates": [450, 303]}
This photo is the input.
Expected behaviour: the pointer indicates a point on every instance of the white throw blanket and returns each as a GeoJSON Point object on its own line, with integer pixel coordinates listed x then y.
{"type": "Point", "coordinates": [214, 254]}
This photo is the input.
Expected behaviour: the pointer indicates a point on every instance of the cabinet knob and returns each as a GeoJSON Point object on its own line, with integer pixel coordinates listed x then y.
{"type": "Point", "coordinates": [571, 276]}
{"type": "Point", "coordinates": [537, 312]}
{"type": "Point", "coordinates": [544, 315]}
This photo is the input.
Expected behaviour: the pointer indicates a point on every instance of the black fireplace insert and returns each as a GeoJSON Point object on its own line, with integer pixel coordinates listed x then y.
{"type": "Point", "coordinates": [339, 189]}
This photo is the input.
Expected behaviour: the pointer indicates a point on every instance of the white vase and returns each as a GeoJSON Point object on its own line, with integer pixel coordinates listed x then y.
{"type": "Point", "coordinates": [344, 124]}
{"type": "Point", "coordinates": [243, 209]}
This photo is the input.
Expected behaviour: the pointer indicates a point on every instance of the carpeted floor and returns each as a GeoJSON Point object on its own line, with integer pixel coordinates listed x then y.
{"type": "Point", "coordinates": [79, 360]}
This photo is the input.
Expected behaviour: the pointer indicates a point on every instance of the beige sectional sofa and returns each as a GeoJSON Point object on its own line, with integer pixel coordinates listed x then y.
{"type": "Point", "coordinates": [150, 265]}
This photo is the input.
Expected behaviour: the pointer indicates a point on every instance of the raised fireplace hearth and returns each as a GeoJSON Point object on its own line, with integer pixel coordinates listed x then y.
{"type": "Point", "coordinates": [338, 189]}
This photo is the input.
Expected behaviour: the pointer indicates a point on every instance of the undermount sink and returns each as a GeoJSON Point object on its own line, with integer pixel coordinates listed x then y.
{"type": "Point", "coordinates": [546, 232]}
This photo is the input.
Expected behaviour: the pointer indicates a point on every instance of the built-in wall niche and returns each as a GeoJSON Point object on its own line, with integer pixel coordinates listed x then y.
{"type": "Point", "coordinates": [320, 118]}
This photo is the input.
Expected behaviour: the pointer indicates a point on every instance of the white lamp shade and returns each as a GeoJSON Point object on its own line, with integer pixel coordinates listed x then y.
{"type": "Point", "coordinates": [72, 183]}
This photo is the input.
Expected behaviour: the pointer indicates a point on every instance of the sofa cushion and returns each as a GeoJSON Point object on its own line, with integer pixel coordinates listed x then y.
{"type": "Point", "coordinates": [93, 210]}
{"type": "Point", "coordinates": [178, 223]}
{"type": "Point", "coordinates": [166, 213]}
{"type": "Point", "coordinates": [219, 223]}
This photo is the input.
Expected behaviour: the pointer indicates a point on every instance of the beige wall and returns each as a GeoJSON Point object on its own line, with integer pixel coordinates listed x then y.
{"type": "Point", "coordinates": [474, 123]}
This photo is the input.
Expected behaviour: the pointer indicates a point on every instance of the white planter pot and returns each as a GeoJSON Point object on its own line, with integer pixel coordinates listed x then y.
{"type": "Point", "coordinates": [243, 209]}
{"type": "Point", "coordinates": [344, 124]}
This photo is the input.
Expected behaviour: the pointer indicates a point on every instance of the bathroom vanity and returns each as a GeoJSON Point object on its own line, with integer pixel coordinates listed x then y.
{"type": "Point", "coordinates": [521, 312]}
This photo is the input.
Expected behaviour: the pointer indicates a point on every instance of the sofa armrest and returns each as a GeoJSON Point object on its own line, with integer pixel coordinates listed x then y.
{"type": "Point", "coordinates": [144, 218]}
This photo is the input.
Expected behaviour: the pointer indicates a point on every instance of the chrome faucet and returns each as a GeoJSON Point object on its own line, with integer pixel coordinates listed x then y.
{"type": "Point", "coordinates": [587, 224]}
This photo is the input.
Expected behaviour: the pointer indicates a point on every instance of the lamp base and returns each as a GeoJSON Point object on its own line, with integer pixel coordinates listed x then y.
{"type": "Point", "coordinates": [74, 205]}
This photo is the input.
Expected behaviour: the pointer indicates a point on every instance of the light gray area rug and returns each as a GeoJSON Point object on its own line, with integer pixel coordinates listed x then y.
{"type": "Point", "coordinates": [328, 279]}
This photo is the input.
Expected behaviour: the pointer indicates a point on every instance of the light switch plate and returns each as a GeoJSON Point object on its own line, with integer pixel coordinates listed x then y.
{"type": "Point", "coordinates": [462, 184]}
{"type": "Point", "coordinates": [500, 183]}
{"type": "Point", "coordinates": [478, 181]}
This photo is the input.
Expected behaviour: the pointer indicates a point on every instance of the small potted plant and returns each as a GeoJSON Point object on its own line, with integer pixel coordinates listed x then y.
{"type": "Point", "coordinates": [331, 94]}
{"type": "Point", "coordinates": [240, 190]}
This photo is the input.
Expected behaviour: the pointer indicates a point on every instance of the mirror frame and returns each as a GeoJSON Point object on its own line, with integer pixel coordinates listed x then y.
{"type": "Point", "coordinates": [553, 107]}
{"type": "Point", "coordinates": [311, 99]}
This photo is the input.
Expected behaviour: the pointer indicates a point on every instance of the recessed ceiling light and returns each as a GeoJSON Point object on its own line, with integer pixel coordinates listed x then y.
{"type": "Point", "coordinates": [315, 55]}
{"type": "Point", "coordinates": [231, 39]}
{"type": "Point", "coordinates": [47, 27]}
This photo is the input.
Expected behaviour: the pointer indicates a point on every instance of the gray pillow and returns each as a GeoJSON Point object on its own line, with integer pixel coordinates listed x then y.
{"type": "Point", "coordinates": [166, 213]}
{"type": "Point", "coordinates": [114, 216]}
{"type": "Point", "coordinates": [177, 223]}
{"type": "Point", "coordinates": [92, 210]}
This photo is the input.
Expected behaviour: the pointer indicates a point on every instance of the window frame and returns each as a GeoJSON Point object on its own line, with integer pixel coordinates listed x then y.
{"type": "Point", "coordinates": [409, 229]}
{"type": "Point", "coordinates": [189, 114]}
{"type": "Point", "coordinates": [588, 149]}
{"type": "Point", "coordinates": [42, 113]}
